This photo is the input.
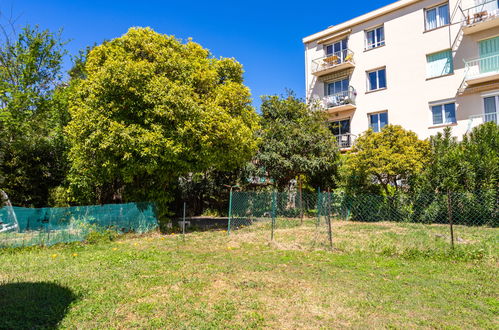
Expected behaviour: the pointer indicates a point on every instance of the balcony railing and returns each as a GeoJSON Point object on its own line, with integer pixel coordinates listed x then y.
{"type": "Point", "coordinates": [341, 98]}
{"type": "Point", "coordinates": [345, 141]}
{"type": "Point", "coordinates": [332, 60]}
{"type": "Point", "coordinates": [482, 67]}
{"type": "Point", "coordinates": [483, 118]}
{"type": "Point", "coordinates": [481, 13]}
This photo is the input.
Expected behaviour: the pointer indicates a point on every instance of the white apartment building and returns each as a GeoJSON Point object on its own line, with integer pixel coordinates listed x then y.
{"type": "Point", "coordinates": [421, 64]}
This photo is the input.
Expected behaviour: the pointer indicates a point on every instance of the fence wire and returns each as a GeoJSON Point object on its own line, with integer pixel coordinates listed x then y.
{"type": "Point", "coordinates": [272, 212]}
{"type": "Point", "coordinates": [47, 226]}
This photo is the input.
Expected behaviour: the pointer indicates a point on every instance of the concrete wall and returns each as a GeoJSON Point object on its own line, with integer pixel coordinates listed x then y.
{"type": "Point", "coordinates": [408, 91]}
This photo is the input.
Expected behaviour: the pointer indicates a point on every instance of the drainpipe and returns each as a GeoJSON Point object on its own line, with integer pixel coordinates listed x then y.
{"type": "Point", "coordinates": [306, 73]}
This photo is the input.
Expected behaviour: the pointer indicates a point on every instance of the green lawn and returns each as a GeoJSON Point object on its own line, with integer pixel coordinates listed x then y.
{"type": "Point", "coordinates": [378, 276]}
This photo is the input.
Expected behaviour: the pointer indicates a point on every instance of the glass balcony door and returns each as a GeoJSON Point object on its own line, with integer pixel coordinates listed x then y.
{"type": "Point", "coordinates": [337, 93]}
{"type": "Point", "coordinates": [340, 127]}
{"type": "Point", "coordinates": [338, 87]}
{"type": "Point", "coordinates": [490, 105]}
{"type": "Point", "coordinates": [341, 130]}
{"type": "Point", "coordinates": [338, 49]}
{"type": "Point", "coordinates": [486, 5]}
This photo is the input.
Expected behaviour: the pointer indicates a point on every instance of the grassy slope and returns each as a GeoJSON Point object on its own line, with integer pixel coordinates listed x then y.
{"type": "Point", "coordinates": [376, 278]}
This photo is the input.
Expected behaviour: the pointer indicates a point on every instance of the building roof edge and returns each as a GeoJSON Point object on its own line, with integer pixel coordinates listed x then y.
{"type": "Point", "coordinates": [360, 19]}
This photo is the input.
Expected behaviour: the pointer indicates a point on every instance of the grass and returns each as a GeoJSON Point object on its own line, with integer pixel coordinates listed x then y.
{"type": "Point", "coordinates": [380, 275]}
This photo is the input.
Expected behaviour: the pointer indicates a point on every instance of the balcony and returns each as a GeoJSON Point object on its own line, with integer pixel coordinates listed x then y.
{"type": "Point", "coordinates": [482, 70]}
{"type": "Point", "coordinates": [341, 101]}
{"type": "Point", "coordinates": [481, 17]}
{"type": "Point", "coordinates": [345, 141]}
{"type": "Point", "coordinates": [334, 62]}
{"type": "Point", "coordinates": [476, 120]}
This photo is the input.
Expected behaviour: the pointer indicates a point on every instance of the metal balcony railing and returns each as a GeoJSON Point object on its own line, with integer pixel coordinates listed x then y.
{"type": "Point", "coordinates": [483, 118]}
{"type": "Point", "coordinates": [485, 11]}
{"type": "Point", "coordinates": [332, 60]}
{"type": "Point", "coordinates": [345, 141]}
{"type": "Point", "coordinates": [341, 98]}
{"type": "Point", "coordinates": [481, 66]}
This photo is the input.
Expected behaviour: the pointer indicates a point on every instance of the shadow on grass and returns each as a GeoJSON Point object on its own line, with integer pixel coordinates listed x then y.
{"type": "Point", "coordinates": [33, 305]}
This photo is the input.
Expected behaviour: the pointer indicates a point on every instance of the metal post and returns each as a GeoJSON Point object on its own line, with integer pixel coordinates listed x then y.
{"type": "Point", "coordinates": [183, 223]}
{"type": "Point", "coordinates": [330, 229]}
{"type": "Point", "coordinates": [230, 211]}
{"type": "Point", "coordinates": [318, 207]}
{"type": "Point", "coordinates": [273, 215]}
{"type": "Point", "coordinates": [449, 215]}
{"type": "Point", "coordinates": [301, 199]}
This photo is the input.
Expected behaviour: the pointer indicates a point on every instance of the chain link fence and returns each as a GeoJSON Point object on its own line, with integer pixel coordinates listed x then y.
{"type": "Point", "coordinates": [317, 214]}
{"type": "Point", "coordinates": [47, 226]}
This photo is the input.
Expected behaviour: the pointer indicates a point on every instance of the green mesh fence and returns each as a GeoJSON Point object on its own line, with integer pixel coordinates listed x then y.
{"type": "Point", "coordinates": [315, 213]}
{"type": "Point", "coordinates": [47, 226]}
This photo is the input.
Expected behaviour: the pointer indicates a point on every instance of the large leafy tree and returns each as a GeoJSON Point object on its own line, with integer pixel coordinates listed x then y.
{"type": "Point", "coordinates": [148, 109]}
{"type": "Point", "coordinates": [296, 141]}
{"type": "Point", "coordinates": [387, 157]}
{"type": "Point", "coordinates": [31, 114]}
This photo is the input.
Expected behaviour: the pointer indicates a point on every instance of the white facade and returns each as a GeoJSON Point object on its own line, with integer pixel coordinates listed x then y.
{"type": "Point", "coordinates": [426, 48]}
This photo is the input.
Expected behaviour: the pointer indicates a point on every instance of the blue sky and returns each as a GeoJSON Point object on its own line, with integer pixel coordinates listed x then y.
{"type": "Point", "coordinates": [265, 36]}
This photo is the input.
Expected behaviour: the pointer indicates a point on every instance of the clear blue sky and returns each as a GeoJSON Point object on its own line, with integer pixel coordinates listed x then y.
{"type": "Point", "coordinates": [265, 36]}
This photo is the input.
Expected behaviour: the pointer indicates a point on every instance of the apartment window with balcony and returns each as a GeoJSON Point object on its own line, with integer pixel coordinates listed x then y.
{"type": "Point", "coordinates": [339, 93]}
{"type": "Point", "coordinates": [439, 64]}
{"type": "Point", "coordinates": [375, 37]}
{"type": "Point", "coordinates": [337, 87]}
{"type": "Point", "coordinates": [444, 113]}
{"type": "Point", "coordinates": [378, 120]}
{"type": "Point", "coordinates": [376, 79]}
{"type": "Point", "coordinates": [341, 130]}
{"type": "Point", "coordinates": [339, 49]}
{"type": "Point", "coordinates": [437, 16]}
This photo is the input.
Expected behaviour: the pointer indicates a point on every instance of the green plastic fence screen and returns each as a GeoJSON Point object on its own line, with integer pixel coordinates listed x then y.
{"type": "Point", "coordinates": [47, 226]}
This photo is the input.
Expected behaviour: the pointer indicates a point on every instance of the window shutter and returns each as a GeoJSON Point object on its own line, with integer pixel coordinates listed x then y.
{"type": "Point", "coordinates": [488, 48]}
{"type": "Point", "coordinates": [439, 64]}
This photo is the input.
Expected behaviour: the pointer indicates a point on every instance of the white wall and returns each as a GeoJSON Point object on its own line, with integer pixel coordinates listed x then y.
{"type": "Point", "coordinates": [408, 92]}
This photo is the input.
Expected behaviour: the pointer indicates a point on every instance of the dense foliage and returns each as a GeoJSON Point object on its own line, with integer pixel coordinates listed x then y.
{"type": "Point", "coordinates": [445, 179]}
{"type": "Point", "coordinates": [387, 158]}
{"type": "Point", "coordinates": [151, 109]}
{"type": "Point", "coordinates": [296, 141]}
{"type": "Point", "coordinates": [32, 115]}
{"type": "Point", "coordinates": [146, 117]}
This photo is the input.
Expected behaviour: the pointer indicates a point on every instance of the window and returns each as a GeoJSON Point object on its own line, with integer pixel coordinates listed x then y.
{"type": "Point", "coordinates": [337, 87]}
{"type": "Point", "coordinates": [444, 113]}
{"type": "Point", "coordinates": [340, 127]}
{"type": "Point", "coordinates": [341, 130]}
{"type": "Point", "coordinates": [439, 64]}
{"type": "Point", "coordinates": [437, 16]}
{"type": "Point", "coordinates": [375, 38]}
{"type": "Point", "coordinates": [339, 49]}
{"type": "Point", "coordinates": [376, 79]}
{"type": "Point", "coordinates": [490, 105]}
{"type": "Point", "coordinates": [488, 50]}
{"type": "Point", "coordinates": [378, 120]}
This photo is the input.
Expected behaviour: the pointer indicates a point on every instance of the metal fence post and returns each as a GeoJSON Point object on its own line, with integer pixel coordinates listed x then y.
{"type": "Point", "coordinates": [318, 207]}
{"type": "Point", "coordinates": [328, 217]}
{"type": "Point", "coordinates": [230, 211]}
{"type": "Point", "coordinates": [301, 199]}
{"type": "Point", "coordinates": [183, 223]}
{"type": "Point", "coordinates": [273, 215]}
{"type": "Point", "coordinates": [449, 215]}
